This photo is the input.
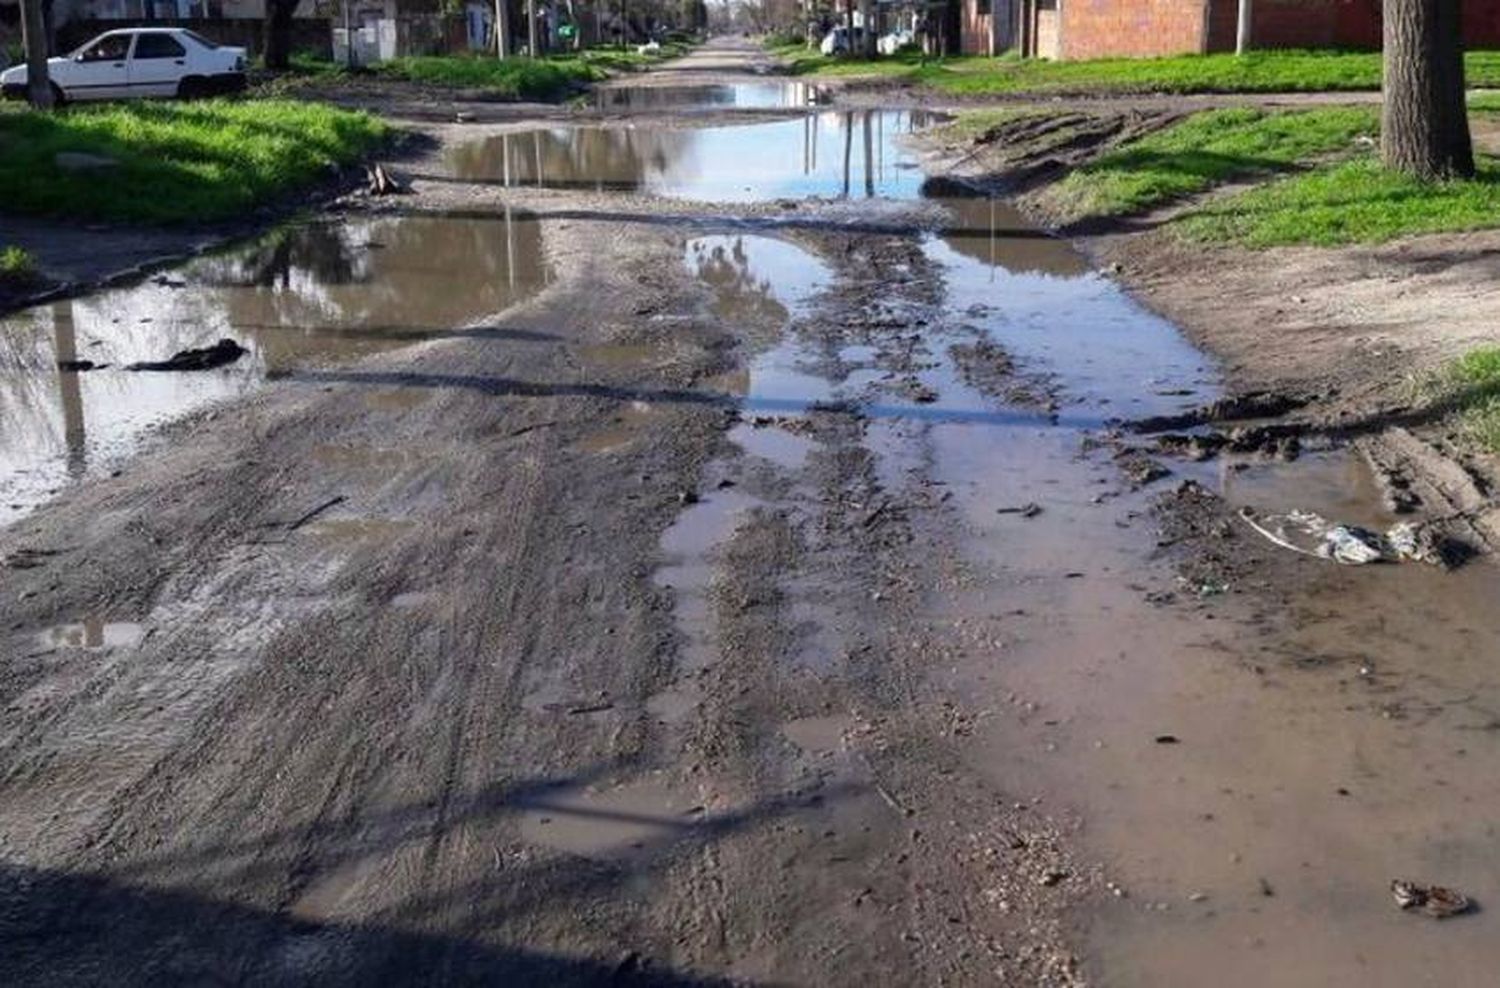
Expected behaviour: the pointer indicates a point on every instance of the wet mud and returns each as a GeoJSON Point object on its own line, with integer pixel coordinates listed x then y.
{"type": "Point", "coordinates": [590, 594]}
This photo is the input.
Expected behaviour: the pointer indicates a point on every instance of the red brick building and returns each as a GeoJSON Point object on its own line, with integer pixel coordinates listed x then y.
{"type": "Point", "coordinates": [1103, 28]}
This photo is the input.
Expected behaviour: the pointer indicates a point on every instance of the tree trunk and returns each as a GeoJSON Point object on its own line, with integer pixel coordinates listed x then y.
{"type": "Point", "coordinates": [1002, 26]}
{"type": "Point", "coordinates": [502, 29]}
{"type": "Point", "coordinates": [533, 37]}
{"type": "Point", "coordinates": [1424, 128]}
{"type": "Point", "coordinates": [867, 21]}
{"type": "Point", "coordinates": [34, 37]}
{"type": "Point", "coordinates": [278, 36]}
{"type": "Point", "coordinates": [1242, 29]}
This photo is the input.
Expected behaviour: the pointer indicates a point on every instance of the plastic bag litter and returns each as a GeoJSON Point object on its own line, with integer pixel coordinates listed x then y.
{"type": "Point", "coordinates": [1313, 535]}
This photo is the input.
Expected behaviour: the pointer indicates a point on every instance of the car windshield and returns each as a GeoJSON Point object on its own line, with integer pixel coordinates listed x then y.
{"type": "Point", "coordinates": [201, 39]}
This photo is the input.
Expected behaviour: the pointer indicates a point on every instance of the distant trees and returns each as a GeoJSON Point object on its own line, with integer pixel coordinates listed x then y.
{"type": "Point", "coordinates": [1424, 123]}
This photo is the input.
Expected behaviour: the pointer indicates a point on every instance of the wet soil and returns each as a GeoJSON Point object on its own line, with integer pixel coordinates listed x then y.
{"type": "Point", "coordinates": [588, 586]}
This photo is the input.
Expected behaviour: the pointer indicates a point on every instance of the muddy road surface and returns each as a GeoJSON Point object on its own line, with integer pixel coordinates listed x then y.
{"type": "Point", "coordinates": [691, 546]}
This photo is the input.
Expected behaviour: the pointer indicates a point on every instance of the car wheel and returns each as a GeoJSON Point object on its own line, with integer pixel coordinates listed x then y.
{"type": "Point", "coordinates": [192, 88]}
{"type": "Point", "coordinates": [59, 98]}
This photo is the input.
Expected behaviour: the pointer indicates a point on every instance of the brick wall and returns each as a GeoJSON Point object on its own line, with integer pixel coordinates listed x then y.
{"type": "Point", "coordinates": [1332, 24]}
{"type": "Point", "coordinates": [1101, 28]}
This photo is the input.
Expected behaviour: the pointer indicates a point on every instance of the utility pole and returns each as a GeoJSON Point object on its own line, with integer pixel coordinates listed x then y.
{"type": "Point", "coordinates": [1242, 30]}
{"type": "Point", "coordinates": [34, 37]}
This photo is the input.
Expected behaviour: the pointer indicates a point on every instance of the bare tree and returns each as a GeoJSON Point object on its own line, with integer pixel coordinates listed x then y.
{"type": "Point", "coordinates": [34, 37]}
{"type": "Point", "coordinates": [278, 34]}
{"type": "Point", "coordinates": [1424, 129]}
{"type": "Point", "coordinates": [866, 18]}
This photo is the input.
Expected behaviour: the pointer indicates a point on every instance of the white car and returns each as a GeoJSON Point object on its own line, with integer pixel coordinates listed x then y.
{"type": "Point", "coordinates": [889, 44]}
{"type": "Point", "coordinates": [147, 61]}
{"type": "Point", "coordinates": [836, 42]}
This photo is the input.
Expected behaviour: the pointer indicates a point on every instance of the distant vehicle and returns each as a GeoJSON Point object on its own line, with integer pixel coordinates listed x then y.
{"type": "Point", "coordinates": [889, 44]}
{"type": "Point", "coordinates": [836, 42]}
{"type": "Point", "coordinates": [139, 62]}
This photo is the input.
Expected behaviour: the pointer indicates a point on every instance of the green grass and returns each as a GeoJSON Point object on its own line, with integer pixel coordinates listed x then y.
{"type": "Point", "coordinates": [1356, 201]}
{"type": "Point", "coordinates": [1285, 70]}
{"type": "Point", "coordinates": [1471, 386]}
{"type": "Point", "coordinates": [177, 162]}
{"type": "Point", "coordinates": [515, 78]}
{"type": "Point", "coordinates": [1201, 151]}
{"type": "Point", "coordinates": [525, 78]}
{"type": "Point", "coordinates": [16, 267]}
{"type": "Point", "coordinates": [1484, 103]}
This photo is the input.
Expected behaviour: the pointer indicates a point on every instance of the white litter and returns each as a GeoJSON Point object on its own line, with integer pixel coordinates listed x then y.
{"type": "Point", "coordinates": [1313, 535]}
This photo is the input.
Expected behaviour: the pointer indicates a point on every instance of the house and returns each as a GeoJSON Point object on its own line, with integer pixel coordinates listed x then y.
{"type": "Point", "coordinates": [1133, 28]}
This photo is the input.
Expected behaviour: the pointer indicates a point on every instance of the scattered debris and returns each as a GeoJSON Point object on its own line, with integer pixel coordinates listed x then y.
{"type": "Point", "coordinates": [1167, 739]}
{"type": "Point", "coordinates": [1028, 510]}
{"type": "Point", "coordinates": [1140, 469]}
{"type": "Point", "coordinates": [1312, 535]}
{"type": "Point", "coordinates": [383, 183]}
{"type": "Point", "coordinates": [203, 358]}
{"type": "Point", "coordinates": [1435, 900]}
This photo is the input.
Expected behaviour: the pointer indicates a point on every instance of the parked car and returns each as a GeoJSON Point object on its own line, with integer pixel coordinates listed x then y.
{"type": "Point", "coordinates": [836, 42]}
{"type": "Point", "coordinates": [889, 44]}
{"type": "Point", "coordinates": [138, 62]}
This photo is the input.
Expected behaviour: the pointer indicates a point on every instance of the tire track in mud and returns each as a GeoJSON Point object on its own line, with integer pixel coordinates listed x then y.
{"type": "Point", "coordinates": [836, 540]}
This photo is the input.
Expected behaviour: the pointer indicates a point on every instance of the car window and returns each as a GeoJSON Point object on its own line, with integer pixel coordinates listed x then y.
{"type": "Point", "coordinates": [158, 46]}
{"type": "Point", "coordinates": [201, 39]}
{"type": "Point", "coordinates": [110, 48]}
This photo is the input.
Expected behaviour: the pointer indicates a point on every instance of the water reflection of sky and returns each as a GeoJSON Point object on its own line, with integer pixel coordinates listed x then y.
{"type": "Point", "coordinates": [738, 95]}
{"type": "Point", "coordinates": [302, 296]}
{"type": "Point", "coordinates": [845, 154]}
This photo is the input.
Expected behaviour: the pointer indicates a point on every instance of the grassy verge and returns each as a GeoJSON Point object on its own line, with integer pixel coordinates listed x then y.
{"type": "Point", "coordinates": [1202, 151]}
{"type": "Point", "coordinates": [1356, 201]}
{"type": "Point", "coordinates": [1485, 103]}
{"type": "Point", "coordinates": [525, 78]}
{"type": "Point", "coordinates": [1471, 385]}
{"type": "Point", "coordinates": [1261, 71]}
{"type": "Point", "coordinates": [174, 162]}
{"type": "Point", "coordinates": [515, 78]}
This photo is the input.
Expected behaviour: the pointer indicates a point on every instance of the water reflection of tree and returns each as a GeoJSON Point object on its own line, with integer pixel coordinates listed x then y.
{"type": "Point", "coordinates": [608, 157]}
{"type": "Point", "coordinates": [327, 290]}
{"type": "Point", "coordinates": [739, 293]}
{"type": "Point", "coordinates": [994, 234]}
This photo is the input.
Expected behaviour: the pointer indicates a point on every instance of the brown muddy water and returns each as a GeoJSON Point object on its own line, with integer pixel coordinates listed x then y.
{"type": "Point", "coordinates": [1318, 756]}
{"type": "Point", "coordinates": [1319, 752]}
{"type": "Point", "coordinates": [304, 296]}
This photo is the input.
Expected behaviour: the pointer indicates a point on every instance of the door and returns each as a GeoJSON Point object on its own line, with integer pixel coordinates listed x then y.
{"type": "Point", "coordinates": [99, 69]}
{"type": "Point", "coordinates": [157, 64]}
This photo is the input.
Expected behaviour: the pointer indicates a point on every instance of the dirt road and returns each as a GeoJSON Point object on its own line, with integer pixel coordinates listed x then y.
{"type": "Point", "coordinates": [728, 578]}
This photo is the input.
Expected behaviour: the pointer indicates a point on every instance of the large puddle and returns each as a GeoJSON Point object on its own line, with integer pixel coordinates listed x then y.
{"type": "Point", "coordinates": [303, 296]}
{"type": "Point", "coordinates": [765, 95]}
{"type": "Point", "coordinates": [843, 154]}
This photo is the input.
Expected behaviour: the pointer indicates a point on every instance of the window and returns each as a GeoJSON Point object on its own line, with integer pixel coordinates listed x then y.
{"type": "Point", "coordinates": [158, 46]}
{"type": "Point", "coordinates": [110, 48]}
{"type": "Point", "coordinates": [201, 39]}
